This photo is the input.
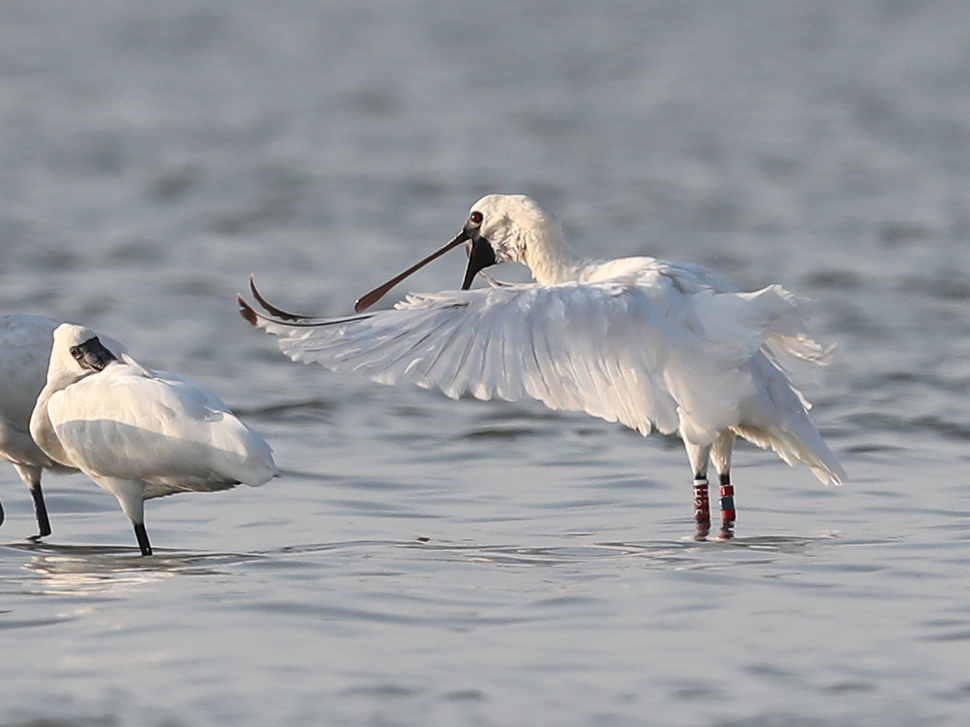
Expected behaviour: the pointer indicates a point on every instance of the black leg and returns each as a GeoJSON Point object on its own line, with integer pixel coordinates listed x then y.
{"type": "Point", "coordinates": [1, 514]}
{"type": "Point", "coordinates": [142, 535]}
{"type": "Point", "coordinates": [40, 510]}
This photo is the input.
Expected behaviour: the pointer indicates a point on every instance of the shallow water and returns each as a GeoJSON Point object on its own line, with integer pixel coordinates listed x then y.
{"type": "Point", "coordinates": [430, 562]}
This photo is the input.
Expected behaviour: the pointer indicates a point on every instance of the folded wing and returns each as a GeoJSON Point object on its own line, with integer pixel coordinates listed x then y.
{"type": "Point", "coordinates": [172, 434]}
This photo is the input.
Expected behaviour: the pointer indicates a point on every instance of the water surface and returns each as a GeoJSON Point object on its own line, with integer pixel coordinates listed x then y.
{"type": "Point", "coordinates": [430, 562]}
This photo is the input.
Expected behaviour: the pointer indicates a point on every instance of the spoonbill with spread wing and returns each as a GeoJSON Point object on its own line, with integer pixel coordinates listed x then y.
{"type": "Point", "coordinates": [140, 433]}
{"type": "Point", "coordinates": [646, 342]}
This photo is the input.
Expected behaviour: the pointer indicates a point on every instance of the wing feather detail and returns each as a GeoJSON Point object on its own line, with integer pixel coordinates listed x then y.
{"type": "Point", "coordinates": [594, 348]}
{"type": "Point", "coordinates": [667, 351]}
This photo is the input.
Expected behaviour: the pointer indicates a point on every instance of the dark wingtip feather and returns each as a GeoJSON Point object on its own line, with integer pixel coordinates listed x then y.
{"type": "Point", "coordinates": [246, 311]}
{"type": "Point", "coordinates": [269, 307]}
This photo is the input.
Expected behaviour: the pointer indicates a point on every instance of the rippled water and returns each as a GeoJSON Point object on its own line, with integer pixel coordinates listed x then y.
{"type": "Point", "coordinates": [429, 562]}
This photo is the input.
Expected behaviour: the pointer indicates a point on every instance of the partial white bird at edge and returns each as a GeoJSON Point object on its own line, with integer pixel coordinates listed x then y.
{"type": "Point", "coordinates": [25, 349]}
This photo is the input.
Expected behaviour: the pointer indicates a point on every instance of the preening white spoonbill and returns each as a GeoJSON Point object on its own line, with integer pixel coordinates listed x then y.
{"type": "Point", "coordinates": [646, 342]}
{"type": "Point", "coordinates": [140, 433]}
{"type": "Point", "coordinates": [25, 350]}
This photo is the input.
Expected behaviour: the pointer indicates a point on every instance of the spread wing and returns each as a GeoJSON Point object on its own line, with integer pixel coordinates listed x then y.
{"type": "Point", "coordinates": [622, 352]}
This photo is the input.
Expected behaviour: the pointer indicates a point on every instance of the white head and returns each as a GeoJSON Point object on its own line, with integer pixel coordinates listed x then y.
{"type": "Point", "coordinates": [500, 228]}
{"type": "Point", "coordinates": [511, 228]}
{"type": "Point", "coordinates": [76, 352]}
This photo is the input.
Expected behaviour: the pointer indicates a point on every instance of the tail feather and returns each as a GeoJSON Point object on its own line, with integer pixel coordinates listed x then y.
{"type": "Point", "coordinates": [808, 449]}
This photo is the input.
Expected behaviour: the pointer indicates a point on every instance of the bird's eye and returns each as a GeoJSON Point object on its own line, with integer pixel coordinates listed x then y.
{"type": "Point", "coordinates": [475, 218]}
{"type": "Point", "coordinates": [76, 353]}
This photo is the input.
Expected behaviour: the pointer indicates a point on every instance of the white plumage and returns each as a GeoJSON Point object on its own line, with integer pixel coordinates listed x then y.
{"type": "Point", "coordinates": [25, 349]}
{"type": "Point", "coordinates": [642, 341]}
{"type": "Point", "coordinates": [140, 433]}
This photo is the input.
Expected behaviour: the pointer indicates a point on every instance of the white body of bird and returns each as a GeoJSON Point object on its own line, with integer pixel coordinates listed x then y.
{"type": "Point", "coordinates": [140, 433]}
{"type": "Point", "coordinates": [25, 350]}
{"type": "Point", "coordinates": [646, 342]}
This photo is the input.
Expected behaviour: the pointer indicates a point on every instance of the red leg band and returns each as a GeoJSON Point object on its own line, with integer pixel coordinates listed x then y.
{"type": "Point", "coordinates": [702, 504]}
{"type": "Point", "coordinates": [728, 513]}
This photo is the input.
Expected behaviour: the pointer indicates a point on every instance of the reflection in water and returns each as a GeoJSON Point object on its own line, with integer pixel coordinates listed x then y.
{"type": "Point", "coordinates": [64, 575]}
{"type": "Point", "coordinates": [76, 570]}
{"type": "Point", "coordinates": [156, 154]}
{"type": "Point", "coordinates": [84, 570]}
{"type": "Point", "coordinates": [675, 555]}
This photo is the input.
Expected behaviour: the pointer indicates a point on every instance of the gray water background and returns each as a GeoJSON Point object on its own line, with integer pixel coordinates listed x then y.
{"type": "Point", "coordinates": [430, 562]}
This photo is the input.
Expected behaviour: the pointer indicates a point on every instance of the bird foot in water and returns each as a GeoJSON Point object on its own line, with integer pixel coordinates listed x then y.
{"type": "Point", "coordinates": [702, 531]}
{"type": "Point", "coordinates": [142, 535]}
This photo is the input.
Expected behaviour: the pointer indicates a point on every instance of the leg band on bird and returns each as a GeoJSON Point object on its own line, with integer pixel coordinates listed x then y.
{"type": "Point", "coordinates": [702, 503]}
{"type": "Point", "coordinates": [726, 493]}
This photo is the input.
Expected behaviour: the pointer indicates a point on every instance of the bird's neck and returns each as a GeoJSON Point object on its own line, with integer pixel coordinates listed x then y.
{"type": "Point", "coordinates": [551, 261]}
{"type": "Point", "coordinates": [41, 428]}
{"type": "Point", "coordinates": [43, 434]}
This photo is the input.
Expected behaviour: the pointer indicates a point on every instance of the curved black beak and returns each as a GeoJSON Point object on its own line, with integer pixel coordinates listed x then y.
{"type": "Point", "coordinates": [367, 300]}
{"type": "Point", "coordinates": [482, 255]}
